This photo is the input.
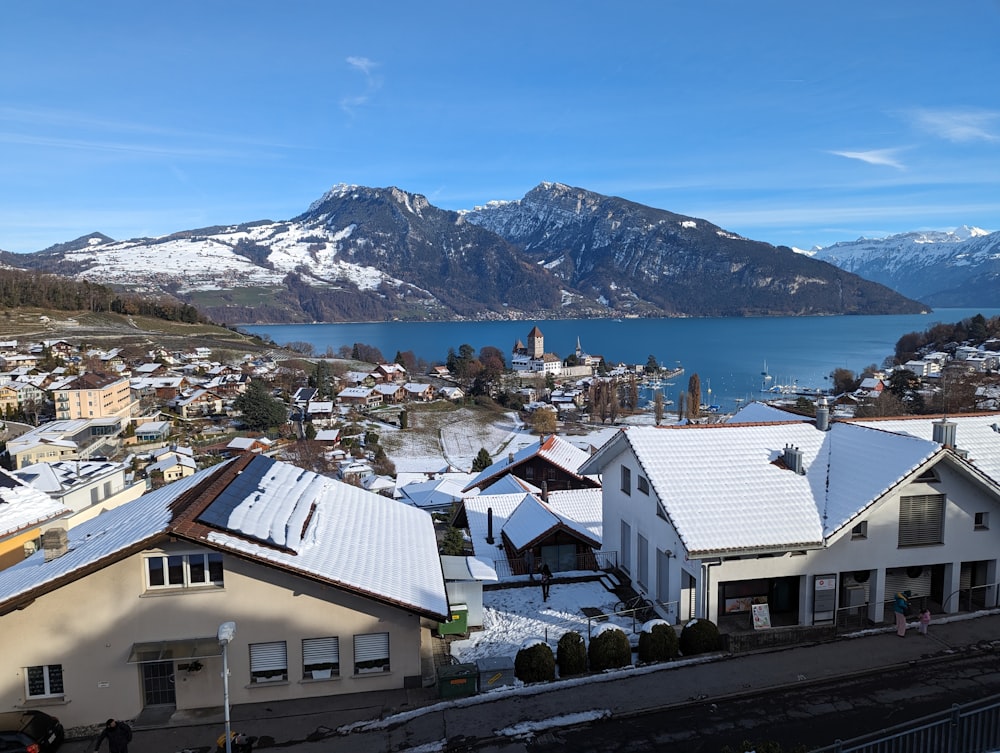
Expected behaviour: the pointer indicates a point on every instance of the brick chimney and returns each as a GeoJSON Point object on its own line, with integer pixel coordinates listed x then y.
{"type": "Point", "coordinates": [55, 542]}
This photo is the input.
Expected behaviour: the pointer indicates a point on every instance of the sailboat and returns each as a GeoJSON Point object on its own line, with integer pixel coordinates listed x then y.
{"type": "Point", "coordinates": [764, 378]}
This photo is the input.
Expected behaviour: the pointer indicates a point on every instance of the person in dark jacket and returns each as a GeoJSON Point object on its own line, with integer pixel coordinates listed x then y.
{"type": "Point", "coordinates": [118, 735]}
{"type": "Point", "coordinates": [546, 574]}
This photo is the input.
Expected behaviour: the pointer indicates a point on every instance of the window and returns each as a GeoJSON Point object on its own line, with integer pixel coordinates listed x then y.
{"type": "Point", "coordinates": [320, 657]}
{"type": "Point", "coordinates": [626, 542]}
{"type": "Point", "coordinates": [982, 521]}
{"type": "Point", "coordinates": [268, 662]}
{"type": "Point", "coordinates": [642, 562]}
{"type": "Point", "coordinates": [44, 681]}
{"type": "Point", "coordinates": [627, 480]}
{"type": "Point", "coordinates": [371, 653]}
{"type": "Point", "coordinates": [921, 520]}
{"type": "Point", "coordinates": [184, 570]}
{"type": "Point", "coordinates": [642, 485]}
{"type": "Point", "coordinates": [860, 531]}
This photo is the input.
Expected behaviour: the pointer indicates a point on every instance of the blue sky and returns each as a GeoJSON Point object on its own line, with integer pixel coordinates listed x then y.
{"type": "Point", "coordinates": [790, 122]}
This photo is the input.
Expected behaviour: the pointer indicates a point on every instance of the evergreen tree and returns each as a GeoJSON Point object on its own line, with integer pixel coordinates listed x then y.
{"type": "Point", "coordinates": [694, 396]}
{"type": "Point", "coordinates": [260, 410]}
{"type": "Point", "coordinates": [482, 461]}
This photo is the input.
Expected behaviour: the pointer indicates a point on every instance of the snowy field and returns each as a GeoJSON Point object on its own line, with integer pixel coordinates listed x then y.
{"type": "Point", "coordinates": [513, 615]}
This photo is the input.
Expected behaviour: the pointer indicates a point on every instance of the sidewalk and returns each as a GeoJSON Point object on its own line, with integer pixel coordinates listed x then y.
{"type": "Point", "coordinates": [392, 720]}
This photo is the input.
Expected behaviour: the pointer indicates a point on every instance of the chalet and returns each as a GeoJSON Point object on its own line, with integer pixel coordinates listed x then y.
{"type": "Point", "coordinates": [389, 372]}
{"type": "Point", "coordinates": [242, 445]}
{"type": "Point", "coordinates": [418, 392]}
{"type": "Point", "coordinates": [320, 410]}
{"type": "Point", "coordinates": [362, 397]}
{"type": "Point", "coordinates": [552, 463]}
{"type": "Point", "coordinates": [441, 372]}
{"type": "Point", "coordinates": [391, 392]}
{"type": "Point", "coordinates": [251, 541]}
{"type": "Point", "coordinates": [451, 393]}
{"type": "Point", "coordinates": [198, 402]}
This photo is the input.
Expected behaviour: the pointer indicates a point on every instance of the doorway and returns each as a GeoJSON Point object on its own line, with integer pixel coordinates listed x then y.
{"type": "Point", "coordinates": [158, 684]}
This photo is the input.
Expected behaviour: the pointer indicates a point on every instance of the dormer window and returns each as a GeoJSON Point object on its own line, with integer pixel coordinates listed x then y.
{"type": "Point", "coordinates": [171, 571]}
{"type": "Point", "coordinates": [860, 531]}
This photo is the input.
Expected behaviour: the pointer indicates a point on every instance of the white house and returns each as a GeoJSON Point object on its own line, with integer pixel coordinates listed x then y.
{"type": "Point", "coordinates": [804, 516]}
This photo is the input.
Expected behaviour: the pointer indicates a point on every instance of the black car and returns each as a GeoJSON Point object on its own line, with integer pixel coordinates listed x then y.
{"type": "Point", "coordinates": [29, 732]}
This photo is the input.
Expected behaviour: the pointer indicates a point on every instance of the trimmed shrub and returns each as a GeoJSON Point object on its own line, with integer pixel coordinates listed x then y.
{"type": "Point", "coordinates": [571, 654]}
{"type": "Point", "coordinates": [699, 637]}
{"type": "Point", "coordinates": [658, 642]}
{"type": "Point", "coordinates": [609, 649]}
{"type": "Point", "coordinates": [535, 662]}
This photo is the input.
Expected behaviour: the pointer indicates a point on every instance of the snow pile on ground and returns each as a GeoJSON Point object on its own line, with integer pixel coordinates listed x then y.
{"type": "Point", "coordinates": [512, 615]}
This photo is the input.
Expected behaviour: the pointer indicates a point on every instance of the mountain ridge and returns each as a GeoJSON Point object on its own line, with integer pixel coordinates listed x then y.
{"type": "Point", "coordinates": [369, 254]}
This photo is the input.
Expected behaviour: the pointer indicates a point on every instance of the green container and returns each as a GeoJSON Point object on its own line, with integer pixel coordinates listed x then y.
{"type": "Point", "coordinates": [458, 680]}
{"type": "Point", "coordinates": [459, 622]}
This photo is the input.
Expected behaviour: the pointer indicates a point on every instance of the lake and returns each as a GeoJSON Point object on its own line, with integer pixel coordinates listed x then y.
{"type": "Point", "coordinates": [728, 354]}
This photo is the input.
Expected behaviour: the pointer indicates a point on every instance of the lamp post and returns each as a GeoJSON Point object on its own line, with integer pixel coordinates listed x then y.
{"type": "Point", "coordinates": [227, 631]}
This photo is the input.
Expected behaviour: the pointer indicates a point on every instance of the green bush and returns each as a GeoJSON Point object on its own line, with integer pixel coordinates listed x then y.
{"type": "Point", "coordinates": [571, 654]}
{"type": "Point", "coordinates": [609, 649]}
{"type": "Point", "coordinates": [699, 637]}
{"type": "Point", "coordinates": [658, 642]}
{"type": "Point", "coordinates": [535, 663]}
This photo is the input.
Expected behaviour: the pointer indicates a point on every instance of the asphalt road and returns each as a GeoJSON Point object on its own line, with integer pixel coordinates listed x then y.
{"type": "Point", "coordinates": [811, 716]}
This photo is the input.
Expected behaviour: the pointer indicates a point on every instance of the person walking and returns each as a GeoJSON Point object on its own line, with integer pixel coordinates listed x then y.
{"type": "Point", "coordinates": [900, 605]}
{"type": "Point", "coordinates": [925, 620]}
{"type": "Point", "coordinates": [546, 578]}
{"type": "Point", "coordinates": [118, 735]}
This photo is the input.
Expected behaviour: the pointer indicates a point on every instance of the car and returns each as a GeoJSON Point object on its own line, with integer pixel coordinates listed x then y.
{"type": "Point", "coordinates": [29, 732]}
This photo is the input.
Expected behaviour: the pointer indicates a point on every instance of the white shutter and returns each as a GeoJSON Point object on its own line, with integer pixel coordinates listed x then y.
{"type": "Point", "coordinates": [268, 657]}
{"type": "Point", "coordinates": [320, 651]}
{"type": "Point", "coordinates": [371, 647]}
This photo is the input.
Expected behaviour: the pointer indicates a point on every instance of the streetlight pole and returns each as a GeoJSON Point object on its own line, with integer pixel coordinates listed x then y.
{"type": "Point", "coordinates": [227, 631]}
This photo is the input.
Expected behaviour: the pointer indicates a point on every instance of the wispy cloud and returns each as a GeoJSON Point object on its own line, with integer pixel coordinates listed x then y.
{"type": "Point", "coordinates": [367, 67]}
{"type": "Point", "coordinates": [886, 157]}
{"type": "Point", "coordinates": [959, 126]}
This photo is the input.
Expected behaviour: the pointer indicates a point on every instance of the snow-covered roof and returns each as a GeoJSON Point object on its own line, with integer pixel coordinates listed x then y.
{"type": "Point", "coordinates": [534, 519]}
{"type": "Point", "coordinates": [22, 506]}
{"type": "Point", "coordinates": [274, 513]}
{"type": "Point", "coordinates": [724, 488]}
{"type": "Point", "coordinates": [760, 413]}
{"type": "Point", "coordinates": [434, 493]}
{"type": "Point", "coordinates": [552, 448]}
{"type": "Point", "coordinates": [467, 568]}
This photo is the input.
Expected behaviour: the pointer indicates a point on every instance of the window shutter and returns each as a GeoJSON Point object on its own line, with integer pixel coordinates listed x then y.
{"type": "Point", "coordinates": [921, 519]}
{"type": "Point", "coordinates": [371, 647]}
{"type": "Point", "coordinates": [268, 657]}
{"type": "Point", "coordinates": [320, 651]}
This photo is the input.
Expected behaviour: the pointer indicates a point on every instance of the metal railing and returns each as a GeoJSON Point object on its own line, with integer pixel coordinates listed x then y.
{"type": "Point", "coordinates": [603, 561]}
{"type": "Point", "coordinates": [970, 728]}
{"type": "Point", "coordinates": [973, 598]}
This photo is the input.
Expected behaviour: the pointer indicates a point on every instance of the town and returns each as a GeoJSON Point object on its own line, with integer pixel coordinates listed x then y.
{"type": "Point", "coordinates": [172, 492]}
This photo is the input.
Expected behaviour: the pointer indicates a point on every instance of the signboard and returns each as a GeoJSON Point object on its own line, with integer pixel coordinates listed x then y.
{"type": "Point", "coordinates": [761, 616]}
{"type": "Point", "coordinates": [824, 598]}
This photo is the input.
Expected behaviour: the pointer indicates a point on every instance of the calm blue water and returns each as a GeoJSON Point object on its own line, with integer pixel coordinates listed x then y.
{"type": "Point", "coordinates": [727, 354]}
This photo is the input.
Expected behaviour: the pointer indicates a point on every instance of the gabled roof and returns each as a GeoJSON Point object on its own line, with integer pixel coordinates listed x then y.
{"type": "Point", "coordinates": [534, 520]}
{"type": "Point", "coordinates": [724, 488]}
{"type": "Point", "coordinates": [552, 449]}
{"type": "Point", "coordinates": [276, 514]}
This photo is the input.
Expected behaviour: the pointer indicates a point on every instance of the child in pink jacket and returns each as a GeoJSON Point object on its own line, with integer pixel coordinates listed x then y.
{"type": "Point", "coordinates": [925, 620]}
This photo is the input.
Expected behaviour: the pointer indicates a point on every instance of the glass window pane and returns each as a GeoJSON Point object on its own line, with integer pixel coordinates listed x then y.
{"type": "Point", "coordinates": [154, 570]}
{"type": "Point", "coordinates": [215, 568]}
{"type": "Point", "coordinates": [175, 570]}
{"type": "Point", "coordinates": [196, 567]}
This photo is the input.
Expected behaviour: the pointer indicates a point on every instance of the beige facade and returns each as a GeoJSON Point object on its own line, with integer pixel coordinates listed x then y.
{"type": "Point", "coordinates": [94, 396]}
{"type": "Point", "coordinates": [88, 632]}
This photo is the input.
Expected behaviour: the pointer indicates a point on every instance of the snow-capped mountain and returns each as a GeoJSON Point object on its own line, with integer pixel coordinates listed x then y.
{"type": "Point", "coordinates": [369, 254]}
{"type": "Point", "coordinates": [960, 268]}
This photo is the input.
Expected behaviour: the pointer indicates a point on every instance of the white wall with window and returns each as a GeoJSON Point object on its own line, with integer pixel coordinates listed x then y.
{"type": "Point", "coordinates": [43, 681]}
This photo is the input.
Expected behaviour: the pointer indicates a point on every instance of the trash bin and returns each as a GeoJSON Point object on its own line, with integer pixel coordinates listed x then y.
{"type": "Point", "coordinates": [495, 671]}
{"type": "Point", "coordinates": [459, 622]}
{"type": "Point", "coordinates": [458, 680]}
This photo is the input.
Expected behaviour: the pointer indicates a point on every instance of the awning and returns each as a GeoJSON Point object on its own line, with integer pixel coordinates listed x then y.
{"type": "Point", "coordinates": [176, 650]}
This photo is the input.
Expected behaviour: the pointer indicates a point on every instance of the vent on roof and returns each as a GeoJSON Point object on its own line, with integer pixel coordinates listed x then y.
{"type": "Point", "coordinates": [793, 459]}
{"type": "Point", "coordinates": [822, 415]}
{"type": "Point", "coordinates": [944, 432]}
{"type": "Point", "coordinates": [489, 525]}
{"type": "Point", "coordinates": [55, 542]}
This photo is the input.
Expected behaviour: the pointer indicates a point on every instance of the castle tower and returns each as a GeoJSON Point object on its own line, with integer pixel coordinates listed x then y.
{"type": "Point", "coordinates": [536, 343]}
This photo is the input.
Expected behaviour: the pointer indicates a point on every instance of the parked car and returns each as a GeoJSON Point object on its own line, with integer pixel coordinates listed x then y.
{"type": "Point", "coordinates": [29, 732]}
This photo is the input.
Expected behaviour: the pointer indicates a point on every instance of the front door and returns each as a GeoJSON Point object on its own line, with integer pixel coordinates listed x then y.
{"type": "Point", "coordinates": [158, 684]}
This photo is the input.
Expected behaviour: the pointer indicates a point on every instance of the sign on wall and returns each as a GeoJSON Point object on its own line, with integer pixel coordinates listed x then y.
{"type": "Point", "coordinates": [824, 598]}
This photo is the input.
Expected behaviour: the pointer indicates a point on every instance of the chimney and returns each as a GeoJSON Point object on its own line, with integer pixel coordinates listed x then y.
{"type": "Point", "coordinates": [793, 459]}
{"type": "Point", "coordinates": [489, 525]}
{"type": "Point", "coordinates": [510, 458]}
{"type": "Point", "coordinates": [55, 542]}
{"type": "Point", "coordinates": [944, 433]}
{"type": "Point", "coordinates": [823, 415]}
{"type": "Point", "coordinates": [545, 491]}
